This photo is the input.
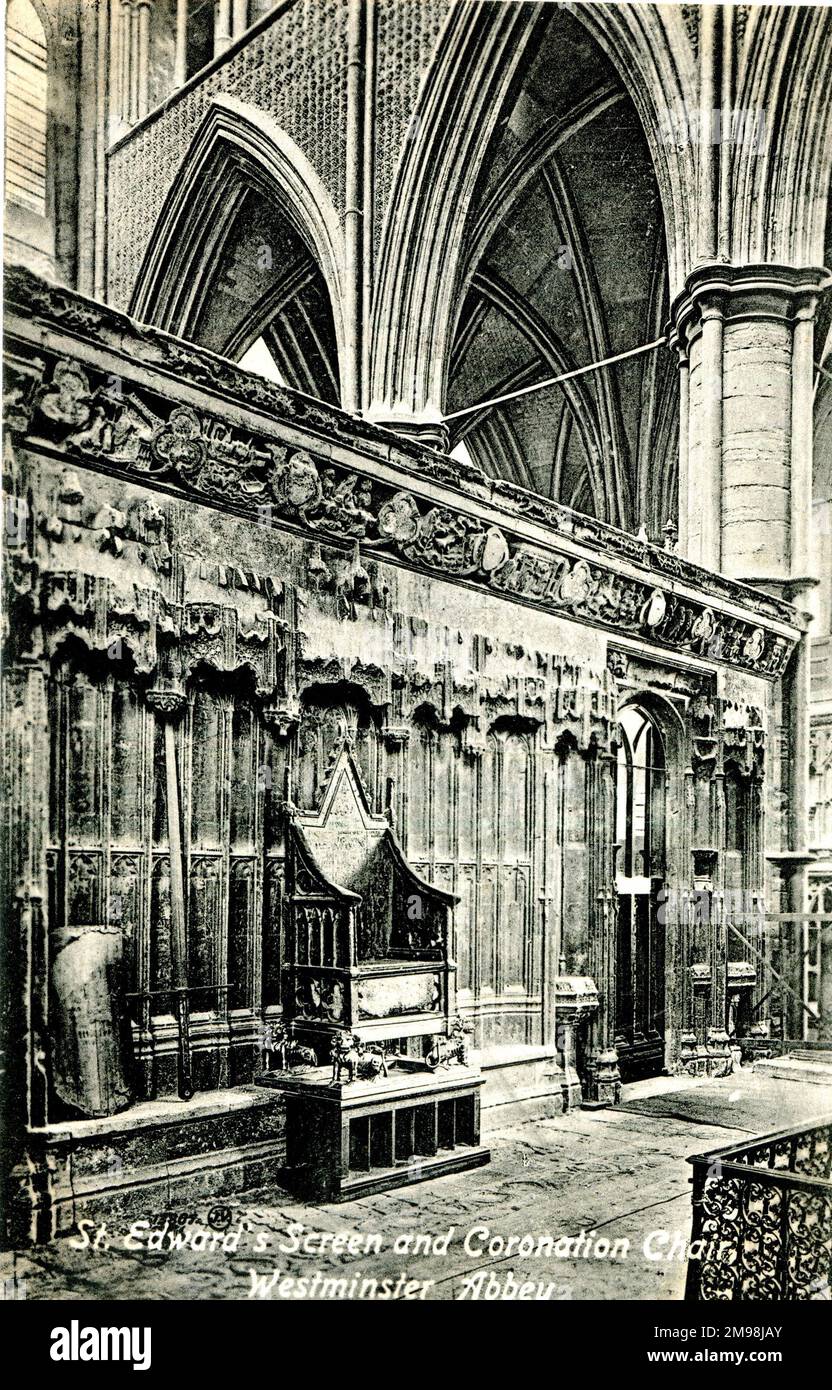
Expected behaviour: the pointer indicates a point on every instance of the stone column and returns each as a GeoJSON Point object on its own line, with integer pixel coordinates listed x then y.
{"type": "Point", "coordinates": [576, 1000]}
{"type": "Point", "coordinates": [125, 17]}
{"type": "Point", "coordinates": [354, 307]}
{"type": "Point", "coordinates": [719, 932]}
{"type": "Point", "coordinates": [131, 59]}
{"type": "Point", "coordinates": [684, 442]}
{"type": "Point", "coordinates": [708, 162]}
{"type": "Point", "coordinates": [180, 60]}
{"type": "Point", "coordinates": [434, 433]}
{"type": "Point", "coordinates": [222, 26]}
{"type": "Point", "coordinates": [142, 59]}
{"type": "Point", "coordinates": [133, 65]}
{"type": "Point", "coordinates": [239, 17]}
{"type": "Point", "coordinates": [604, 1078]}
{"type": "Point", "coordinates": [794, 857]}
{"type": "Point", "coordinates": [687, 903]}
{"type": "Point", "coordinates": [745, 334]}
{"type": "Point", "coordinates": [168, 704]}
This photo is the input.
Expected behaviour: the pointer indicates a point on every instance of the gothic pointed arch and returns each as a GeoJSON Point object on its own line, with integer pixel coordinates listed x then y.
{"type": "Point", "coordinates": [422, 258]}
{"type": "Point", "coordinates": [653, 50]}
{"type": "Point", "coordinates": [422, 238]}
{"type": "Point", "coordinates": [243, 170]}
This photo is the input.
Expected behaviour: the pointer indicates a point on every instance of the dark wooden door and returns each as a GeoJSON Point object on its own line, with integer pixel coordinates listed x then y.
{"type": "Point", "coordinates": [640, 943]}
{"type": "Point", "coordinates": [640, 981]}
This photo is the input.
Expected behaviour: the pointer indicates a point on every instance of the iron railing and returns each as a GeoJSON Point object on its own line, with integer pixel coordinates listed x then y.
{"type": "Point", "coordinates": [762, 1218]}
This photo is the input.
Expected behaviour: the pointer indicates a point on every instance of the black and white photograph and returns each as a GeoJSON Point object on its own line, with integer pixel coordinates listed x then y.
{"type": "Point", "coordinates": [417, 669]}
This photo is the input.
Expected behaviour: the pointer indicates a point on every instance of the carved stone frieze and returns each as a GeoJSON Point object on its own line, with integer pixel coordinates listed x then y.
{"type": "Point", "coordinates": [109, 423]}
{"type": "Point", "coordinates": [19, 379]}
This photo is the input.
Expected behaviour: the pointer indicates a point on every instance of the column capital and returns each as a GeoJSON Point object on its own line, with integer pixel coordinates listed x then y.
{"type": "Point", "coordinates": [427, 429]}
{"type": "Point", "coordinates": [779, 292]}
{"type": "Point", "coordinates": [168, 702]}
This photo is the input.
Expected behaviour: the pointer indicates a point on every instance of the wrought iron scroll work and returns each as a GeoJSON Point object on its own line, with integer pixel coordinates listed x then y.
{"type": "Point", "coordinates": [762, 1219]}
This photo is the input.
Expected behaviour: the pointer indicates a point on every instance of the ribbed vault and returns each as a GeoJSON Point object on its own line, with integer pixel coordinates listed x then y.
{"type": "Point", "coordinates": [565, 263]}
{"type": "Point", "coordinates": [265, 284]}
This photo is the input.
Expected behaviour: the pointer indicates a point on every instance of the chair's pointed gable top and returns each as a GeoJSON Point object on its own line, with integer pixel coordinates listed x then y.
{"type": "Point", "coordinates": [345, 803]}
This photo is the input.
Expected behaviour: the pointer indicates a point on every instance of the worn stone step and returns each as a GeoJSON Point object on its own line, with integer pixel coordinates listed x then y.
{"type": "Point", "coordinates": [516, 1074]}
{"type": "Point", "coordinates": [159, 1156]}
{"type": "Point", "coordinates": [814, 1068]}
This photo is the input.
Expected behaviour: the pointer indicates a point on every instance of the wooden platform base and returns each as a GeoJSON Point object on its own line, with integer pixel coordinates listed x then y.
{"type": "Point", "coordinates": [349, 1140]}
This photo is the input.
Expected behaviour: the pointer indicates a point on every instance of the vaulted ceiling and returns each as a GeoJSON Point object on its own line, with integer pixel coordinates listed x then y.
{"type": "Point", "coordinates": [267, 286]}
{"type": "Point", "coordinates": [566, 265]}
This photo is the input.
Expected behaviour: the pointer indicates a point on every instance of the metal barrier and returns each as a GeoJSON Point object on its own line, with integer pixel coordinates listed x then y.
{"type": "Point", "coordinates": [762, 1218]}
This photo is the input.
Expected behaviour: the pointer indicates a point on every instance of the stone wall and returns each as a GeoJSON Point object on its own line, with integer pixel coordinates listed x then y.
{"type": "Point", "coordinates": [276, 581]}
{"type": "Point", "coordinates": [293, 69]}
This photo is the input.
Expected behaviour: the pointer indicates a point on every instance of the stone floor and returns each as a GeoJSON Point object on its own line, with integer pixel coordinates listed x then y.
{"type": "Point", "coordinates": [619, 1173]}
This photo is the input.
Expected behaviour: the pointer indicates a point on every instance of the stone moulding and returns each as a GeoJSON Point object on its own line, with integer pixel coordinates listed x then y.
{"type": "Point", "coordinates": [87, 384]}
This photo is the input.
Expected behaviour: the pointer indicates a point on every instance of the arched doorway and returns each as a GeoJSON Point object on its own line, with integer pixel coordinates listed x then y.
{"type": "Point", "coordinates": [641, 793]}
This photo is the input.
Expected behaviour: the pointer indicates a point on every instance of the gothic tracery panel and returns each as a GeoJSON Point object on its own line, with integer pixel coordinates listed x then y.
{"type": "Point", "coordinates": [108, 859]}
{"type": "Point", "coordinates": [470, 830]}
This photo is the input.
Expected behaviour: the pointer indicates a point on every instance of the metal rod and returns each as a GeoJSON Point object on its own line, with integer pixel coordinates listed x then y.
{"type": "Point", "coordinates": [553, 380]}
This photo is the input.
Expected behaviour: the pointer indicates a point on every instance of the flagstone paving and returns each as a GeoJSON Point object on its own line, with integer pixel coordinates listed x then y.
{"type": "Point", "coordinates": [619, 1173]}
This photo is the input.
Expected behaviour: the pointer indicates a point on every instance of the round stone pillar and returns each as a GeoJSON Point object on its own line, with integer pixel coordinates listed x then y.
{"type": "Point", "coordinates": [744, 337]}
